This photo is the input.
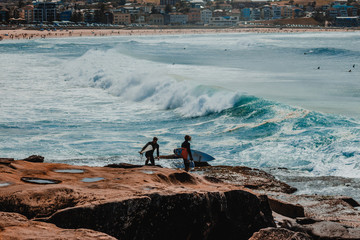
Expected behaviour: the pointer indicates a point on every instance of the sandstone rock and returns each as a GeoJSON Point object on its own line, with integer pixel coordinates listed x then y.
{"type": "Point", "coordinates": [146, 202]}
{"type": "Point", "coordinates": [230, 215]}
{"type": "Point", "coordinates": [323, 208]}
{"type": "Point", "coordinates": [332, 230]}
{"type": "Point", "coordinates": [16, 226]}
{"type": "Point", "coordinates": [6, 161]}
{"type": "Point", "coordinates": [279, 234]}
{"type": "Point", "coordinates": [323, 230]}
{"type": "Point", "coordinates": [286, 209]}
{"type": "Point", "coordinates": [350, 201]}
{"type": "Point", "coordinates": [249, 177]}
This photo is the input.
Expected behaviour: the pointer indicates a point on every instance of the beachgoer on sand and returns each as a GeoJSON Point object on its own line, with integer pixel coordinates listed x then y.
{"type": "Point", "coordinates": [150, 154]}
{"type": "Point", "coordinates": [186, 152]}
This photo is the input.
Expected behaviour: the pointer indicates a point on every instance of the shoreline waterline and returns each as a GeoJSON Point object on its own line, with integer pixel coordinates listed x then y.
{"type": "Point", "coordinates": [19, 34]}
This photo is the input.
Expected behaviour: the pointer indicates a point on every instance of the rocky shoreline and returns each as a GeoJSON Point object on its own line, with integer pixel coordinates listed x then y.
{"type": "Point", "coordinates": [40, 200]}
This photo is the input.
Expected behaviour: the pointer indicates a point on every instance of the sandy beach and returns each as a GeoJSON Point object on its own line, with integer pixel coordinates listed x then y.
{"type": "Point", "coordinates": [18, 34]}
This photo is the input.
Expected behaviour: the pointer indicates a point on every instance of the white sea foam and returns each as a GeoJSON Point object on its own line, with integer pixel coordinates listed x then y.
{"type": "Point", "coordinates": [147, 82]}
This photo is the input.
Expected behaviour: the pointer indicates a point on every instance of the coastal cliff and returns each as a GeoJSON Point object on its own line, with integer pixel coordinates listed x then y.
{"type": "Point", "coordinates": [130, 203]}
{"type": "Point", "coordinates": [121, 201]}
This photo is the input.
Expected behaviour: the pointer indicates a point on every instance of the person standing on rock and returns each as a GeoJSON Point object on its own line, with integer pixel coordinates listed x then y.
{"type": "Point", "coordinates": [186, 152]}
{"type": "Point", "coordinates": [149, 149]}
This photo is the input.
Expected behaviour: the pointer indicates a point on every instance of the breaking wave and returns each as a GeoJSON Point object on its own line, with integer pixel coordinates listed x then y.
{"type": "Point", "coordinates": [148, 82]}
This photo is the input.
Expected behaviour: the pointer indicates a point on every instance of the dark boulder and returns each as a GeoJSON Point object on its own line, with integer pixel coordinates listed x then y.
{"type": "Point", "coordinates": [213, 215]}
{"type": "Point", "coordinates": [279, 234]}
{"type": "Point", "coordinates": [34, 158]}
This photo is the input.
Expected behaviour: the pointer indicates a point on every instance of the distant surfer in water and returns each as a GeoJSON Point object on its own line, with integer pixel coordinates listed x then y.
{"type": "Point", "coordinates": [186, 152]}
{"type": "Point", "coordinates": [150, 154]}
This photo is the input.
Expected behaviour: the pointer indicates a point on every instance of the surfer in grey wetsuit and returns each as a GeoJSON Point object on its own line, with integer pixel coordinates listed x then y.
{"type": "Point", "coordinates": [150, 154]}
{"type": "Point", "coordinates": [186, 151]}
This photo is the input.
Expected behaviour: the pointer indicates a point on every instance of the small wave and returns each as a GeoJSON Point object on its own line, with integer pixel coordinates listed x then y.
{"type": "Point", "coordinates": [5, 126]}
{"type": "Point", "coordinates": [331, 52]}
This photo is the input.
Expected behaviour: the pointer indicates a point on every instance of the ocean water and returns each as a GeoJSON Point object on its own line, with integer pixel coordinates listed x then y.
{"type": "Point", "coordinates": [286, 103]}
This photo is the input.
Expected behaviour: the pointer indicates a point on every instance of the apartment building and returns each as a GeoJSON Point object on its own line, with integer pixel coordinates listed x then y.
{"type": "Point", "coordinates": [121, 18]}
{"type": "Point", "coordinates": [205, 16]}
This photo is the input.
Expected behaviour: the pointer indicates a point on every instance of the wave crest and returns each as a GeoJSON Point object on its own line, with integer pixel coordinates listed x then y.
{"type": "Point", "coordinates": [148, 82]}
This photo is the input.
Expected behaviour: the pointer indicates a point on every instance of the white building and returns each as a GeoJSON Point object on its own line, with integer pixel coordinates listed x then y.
{"type": "Point", "coordinates": [224, 21]}
{"type": "Point", "coordinates": [177, 18]}
{"type": "Point", "coordinates": [206, 15]}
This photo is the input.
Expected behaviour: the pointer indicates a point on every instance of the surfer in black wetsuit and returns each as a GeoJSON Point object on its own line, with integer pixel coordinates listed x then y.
{"type": "Point", "coordinates": [150, 154]}
{"type": "Point", "coordinates": [186, 151]}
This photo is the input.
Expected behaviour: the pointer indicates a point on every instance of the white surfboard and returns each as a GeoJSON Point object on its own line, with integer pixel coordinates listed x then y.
{"type": "Point", "coordinates": [197, 155]}
{"type": "Point", "coordinates": [148, 148]}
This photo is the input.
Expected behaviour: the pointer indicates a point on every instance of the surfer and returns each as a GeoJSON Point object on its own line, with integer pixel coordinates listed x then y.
{"type": "Point", "coordinates": [186, 152]}
{"type": "Point", "coordinates": [150, 154]}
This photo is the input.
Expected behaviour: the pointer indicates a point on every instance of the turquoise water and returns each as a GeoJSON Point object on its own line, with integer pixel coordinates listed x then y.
{"type": "Point", "coordinates": [247, 99]}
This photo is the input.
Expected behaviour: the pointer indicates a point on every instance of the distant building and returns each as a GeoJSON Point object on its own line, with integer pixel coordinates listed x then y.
{"type": "Point", "coordinates": [65, 15]}
{"type": "Point", "coordinates": [347, 21]}
{"type": "Point", "coordinates": [225, 7]}
{"type": "Point", "coordinates": [266, 12]}
{"type": "Point", "coordinates": [197, 4]}
{"type": "Point", "coordinates": [194, 16]}
{"type": "Point", "coordinates": [298, 12]}
{"type": "Point", "coordinates": [255, 14]}
{"type": "Point", "coordinates": [156, 19]}
{"type": "Point", "coordinates": [332, 13]}
{"type": "Point", "coordinates": [178, 19]}
{"type": "Point", "coordinates": [121, 18]}
{"type": "Point", "coordinates": [45, 12]}
{"type": "Point", "coordinates": [4, 15]}
{"type": "Point", "coordinates": [169, 2]}
{"type": "Point", "coordinates": [27, 13]}
{"type": "Point", "coordinates": [276, 12]}
{"type": "Point", "coordinates": [224, 21]}
{"type": "Point", "coordinates": [219, 13]}
{"type": "Point", "coordinates": [287, 12]}
{"type": "Point", "coordinates": [246, 14]}
{"type": "Point", "coordinates": [205, 16]}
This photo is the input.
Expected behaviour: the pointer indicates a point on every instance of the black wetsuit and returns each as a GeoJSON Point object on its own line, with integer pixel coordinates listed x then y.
{"type": "Point", "coordinates": [150, 154]}
{"type": "Point", "coordinates": [186, 145]}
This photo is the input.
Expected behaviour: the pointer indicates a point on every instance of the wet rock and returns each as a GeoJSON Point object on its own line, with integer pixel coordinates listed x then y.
{"type": "Point", "coordinates": [123, 165]}
{"type": "Point", "coordinates": [182, 177]}
{"type": "Point", "coordinates": [305, 220]}
{"type": "Point", "coordinates": [201, 164]}
{"type": "Point", "coordinates": [323, 208]}
{"type": "Point", "coordinates": [17, 226]}
{"type": "Point", "coordinates": [286, 209]}
{"type": "Point", "coordinates": [332, 230]}
{"type": "Point", "coordinates": [251, 178]}
{"type": "Point", "coordinates": [279, 234]}
{"type": "Point", "coordinates": [350, 201]}
{"type": "Point", "coordinates": [34, 158]}
{"type": "Point", "coordinates": [39, 202]}
{"type": "Point", "coordinates": [230, 215]}
{"type": "Point", "coordinates": [6, 161]}
{"type": "Point", "coordinates": [322, 229]}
